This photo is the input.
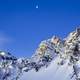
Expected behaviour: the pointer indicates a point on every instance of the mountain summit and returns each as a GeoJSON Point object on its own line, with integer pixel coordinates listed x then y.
{"type": "Point", "coordinates": [52, 51]}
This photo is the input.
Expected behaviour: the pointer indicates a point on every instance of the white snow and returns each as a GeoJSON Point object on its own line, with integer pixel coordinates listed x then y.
{"type": "Point", "coordinates": [54, 59]}
{"type": "Point", "coordinates": [53, 72]}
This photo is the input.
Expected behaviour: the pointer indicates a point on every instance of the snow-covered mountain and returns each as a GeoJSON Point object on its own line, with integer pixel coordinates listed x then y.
{"type": "Point", "coordinates": [54, 59]}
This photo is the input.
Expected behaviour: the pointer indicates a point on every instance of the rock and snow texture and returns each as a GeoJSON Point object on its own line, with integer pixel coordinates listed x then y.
{"type": "Point", "coordinates": [54, 59]}
{"type": "Point", "coordinates": [53, 72]}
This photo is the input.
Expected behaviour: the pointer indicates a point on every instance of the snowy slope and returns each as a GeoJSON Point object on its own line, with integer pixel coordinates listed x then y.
{"type": "Point", "coordinates": [54, 59]}
{"type": "Point", "coordinates": [53, 72]}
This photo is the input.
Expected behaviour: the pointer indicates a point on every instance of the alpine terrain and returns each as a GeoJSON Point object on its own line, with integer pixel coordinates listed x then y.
{"type": "Point", "coordinates": [54, 59]}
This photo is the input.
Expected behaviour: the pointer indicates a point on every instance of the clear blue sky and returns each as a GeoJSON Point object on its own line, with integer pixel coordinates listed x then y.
{"type": "Point", "coordinates": [26, 26]}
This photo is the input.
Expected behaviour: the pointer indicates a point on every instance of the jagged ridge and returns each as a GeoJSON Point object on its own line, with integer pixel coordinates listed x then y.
{"type": "Point", "coordinates": [67, 49]}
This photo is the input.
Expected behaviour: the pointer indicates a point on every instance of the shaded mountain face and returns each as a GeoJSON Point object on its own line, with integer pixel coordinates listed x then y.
{"type": "Point", "coordinates": [52, 56]}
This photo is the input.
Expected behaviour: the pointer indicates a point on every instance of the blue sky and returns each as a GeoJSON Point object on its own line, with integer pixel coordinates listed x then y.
{"type": "Point", "coordinates": [23, 27]}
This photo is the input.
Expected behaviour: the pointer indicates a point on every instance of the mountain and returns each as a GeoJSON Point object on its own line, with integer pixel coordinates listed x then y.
{"type": "Point", "coordinates": [54, 59]}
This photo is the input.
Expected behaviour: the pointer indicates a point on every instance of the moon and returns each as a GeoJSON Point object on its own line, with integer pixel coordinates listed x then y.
{"type": "Point", "coordinates": [37, 6]}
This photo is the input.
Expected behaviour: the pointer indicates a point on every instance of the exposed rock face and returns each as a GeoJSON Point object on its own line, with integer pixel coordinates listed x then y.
{"type": "Point", "coordinates": [68, 51]}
